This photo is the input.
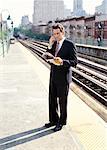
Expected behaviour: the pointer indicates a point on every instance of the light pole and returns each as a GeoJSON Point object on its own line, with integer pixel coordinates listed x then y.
{"type": "Point", "coordinates": [9, 32]}
{"type": "Point", "coordinates": [3, 24]}
{"type": "Point", "coordinates": [1, 27]}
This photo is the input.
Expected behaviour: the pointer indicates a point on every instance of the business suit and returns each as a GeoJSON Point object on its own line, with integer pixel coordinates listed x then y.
{"type": "Point", "coordinates": [59, 81]}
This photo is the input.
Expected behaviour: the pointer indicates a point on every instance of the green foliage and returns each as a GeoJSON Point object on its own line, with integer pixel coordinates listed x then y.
{"type": "Point", "coordinates": [3, 34]}
{"type": "Point", "coordinates": [16, 30]}
{"type": "Point", "coordinates": [37, 36]}
{"type": "Point", "coordinates": [30, 34]}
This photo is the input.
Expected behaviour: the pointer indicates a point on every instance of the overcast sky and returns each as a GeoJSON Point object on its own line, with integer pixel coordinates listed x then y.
{"type": "Point", "coordinates": [18, 8]}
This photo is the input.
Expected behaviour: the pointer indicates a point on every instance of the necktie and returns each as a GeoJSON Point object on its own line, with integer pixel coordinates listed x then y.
{"type": "Point", "coordinates": [57, 49]}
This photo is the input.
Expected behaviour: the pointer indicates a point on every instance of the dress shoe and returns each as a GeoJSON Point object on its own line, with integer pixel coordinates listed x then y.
{"type": "Point", "coordinates": [58, 127]}
{"type": "Point", "coordinates": [47, 125]}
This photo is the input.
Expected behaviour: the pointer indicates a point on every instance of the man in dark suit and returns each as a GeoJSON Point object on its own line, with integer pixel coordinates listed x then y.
{"type": "Point", "coordinates": [64, 56]}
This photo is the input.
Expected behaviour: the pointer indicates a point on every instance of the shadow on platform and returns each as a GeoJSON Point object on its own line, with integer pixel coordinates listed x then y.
{"type": "Point", "coordinates": [17, 139]}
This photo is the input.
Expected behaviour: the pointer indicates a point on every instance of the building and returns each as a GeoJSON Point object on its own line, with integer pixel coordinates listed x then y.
{"type": "Point", "coordinates": [25, 23]}
{"type": "Point", "coordinates": [67, 13]}
{"type": "Point", "coordinates": [46, 10]}
{"type": "Point", "coordinates": [24, 20]}
{"type": "Point", "coordinates": [89, 29]}
{"type": "Point", "coordinates": [102, 9]}
{"type": "Point", "coordinates": [101, 22]}
{"type": "Point", "coordinates": [78, 8]}
{"type": "Point", "coordinates": [41, 29]}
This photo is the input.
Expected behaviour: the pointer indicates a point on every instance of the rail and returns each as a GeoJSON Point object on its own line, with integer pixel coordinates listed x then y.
{"type": "Point", "coordinates": [89, 79]}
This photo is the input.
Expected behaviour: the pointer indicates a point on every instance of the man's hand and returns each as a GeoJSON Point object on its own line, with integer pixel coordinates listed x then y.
{"type": "Point", "coordinates": [51, 40]}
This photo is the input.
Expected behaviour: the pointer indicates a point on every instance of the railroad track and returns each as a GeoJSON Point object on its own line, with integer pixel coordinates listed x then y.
{"type": "Point", "coordinates": [92, 77]}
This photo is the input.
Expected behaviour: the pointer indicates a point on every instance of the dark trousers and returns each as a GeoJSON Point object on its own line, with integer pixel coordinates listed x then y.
{"type": "Point", "coordinates": [58, 93]}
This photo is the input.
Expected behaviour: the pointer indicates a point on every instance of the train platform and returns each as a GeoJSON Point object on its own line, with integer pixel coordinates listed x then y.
{"type": "Point", "coordinates": [24, 84]}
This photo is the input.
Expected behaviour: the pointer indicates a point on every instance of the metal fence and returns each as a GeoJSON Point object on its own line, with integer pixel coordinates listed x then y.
{"type": "Point", "coordinates": [4, 46]}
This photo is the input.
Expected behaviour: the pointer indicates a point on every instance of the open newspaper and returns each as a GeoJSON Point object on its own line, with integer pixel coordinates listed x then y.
{"type": "Point", "coordinates": [48, 55]}
{"type": "Point", "coordinates": [50, 58]}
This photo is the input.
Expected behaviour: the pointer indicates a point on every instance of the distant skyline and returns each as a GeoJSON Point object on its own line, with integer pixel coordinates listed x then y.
{"type": "Point", "coordinates": [19, 8]}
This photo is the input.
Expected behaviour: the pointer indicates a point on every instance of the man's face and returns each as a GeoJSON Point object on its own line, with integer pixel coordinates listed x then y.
{"type": "Point", "coordinates": [58, 35]}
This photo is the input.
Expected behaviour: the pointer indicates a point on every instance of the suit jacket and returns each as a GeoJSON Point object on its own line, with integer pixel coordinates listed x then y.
{"type": "Point", "coordinates": [62, 74]}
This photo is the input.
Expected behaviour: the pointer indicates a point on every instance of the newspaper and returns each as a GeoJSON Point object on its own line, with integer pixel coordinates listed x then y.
{"type": "Point", "coordinates": [48, 55]}
{"type": "Point", "coordinates": [50, 58]}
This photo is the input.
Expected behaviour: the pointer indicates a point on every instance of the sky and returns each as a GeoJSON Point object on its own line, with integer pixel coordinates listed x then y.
{"type": "Point", "coordinates": [19, 8]}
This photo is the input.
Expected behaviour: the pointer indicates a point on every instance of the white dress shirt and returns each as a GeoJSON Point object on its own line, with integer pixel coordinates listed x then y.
{"type": "Point", "coordinates": [61, 42]}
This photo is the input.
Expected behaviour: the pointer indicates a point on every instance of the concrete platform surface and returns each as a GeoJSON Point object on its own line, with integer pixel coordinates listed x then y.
{"type": "Point", "coordinates": [84, 124]}
{"type": "Point", "coordinates": [24, 106]}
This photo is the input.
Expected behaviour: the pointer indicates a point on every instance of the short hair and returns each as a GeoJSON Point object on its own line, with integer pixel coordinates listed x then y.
{"type": "Point", "coordinates": [58, 26]}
